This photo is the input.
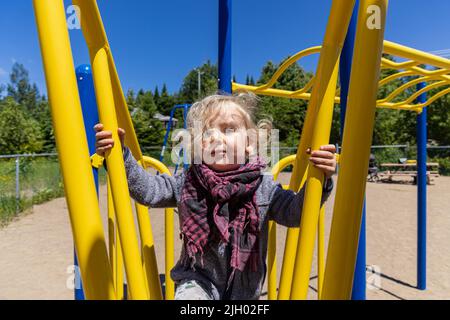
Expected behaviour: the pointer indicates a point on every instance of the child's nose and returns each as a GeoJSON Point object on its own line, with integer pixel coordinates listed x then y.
{"type": "Point", "coordinates": [217, 135]}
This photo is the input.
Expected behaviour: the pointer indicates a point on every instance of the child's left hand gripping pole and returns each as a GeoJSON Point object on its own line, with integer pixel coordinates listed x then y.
{"type": "Point", "coordinates": [117, 176]}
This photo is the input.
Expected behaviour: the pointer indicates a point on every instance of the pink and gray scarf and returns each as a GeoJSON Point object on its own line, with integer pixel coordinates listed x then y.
{"type": "Point", "coordinates": [223, 203]}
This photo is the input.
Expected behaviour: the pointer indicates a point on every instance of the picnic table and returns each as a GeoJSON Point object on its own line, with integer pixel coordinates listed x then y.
{"type": "Point", "coordinates": [408, 168]}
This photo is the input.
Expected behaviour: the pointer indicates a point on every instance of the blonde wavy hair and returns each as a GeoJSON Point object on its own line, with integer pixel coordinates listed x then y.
{"type": "Point", "coordinates": [207, 109]}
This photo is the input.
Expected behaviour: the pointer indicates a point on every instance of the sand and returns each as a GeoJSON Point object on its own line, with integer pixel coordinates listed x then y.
{"type": "Point", "coordinates": [37, 249]}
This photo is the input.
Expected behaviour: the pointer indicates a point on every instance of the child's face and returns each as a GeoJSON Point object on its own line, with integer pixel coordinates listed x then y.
{"type": "Point", "coordinates": [225, 142]}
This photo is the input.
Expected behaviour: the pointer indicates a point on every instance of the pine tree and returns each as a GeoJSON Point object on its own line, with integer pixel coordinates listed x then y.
{"type": "Point", "coordinates": [20, 89]}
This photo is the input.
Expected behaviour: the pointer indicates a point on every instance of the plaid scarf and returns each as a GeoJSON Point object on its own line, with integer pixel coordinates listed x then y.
{"type": "Point", "coordinates": [224, 203]}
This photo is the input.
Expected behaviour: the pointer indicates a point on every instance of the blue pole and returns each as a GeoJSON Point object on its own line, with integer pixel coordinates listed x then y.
{"type": "Point", "coordinates": [422, 193]}
{"type": "Point", "coordinates": [185, 113]}
{"type": "Point", "coordinates": [224, 81]}
{"type": "Point", "coordinates": [90, 118]}
{"type": "Point", "coordinates": [359, 280]}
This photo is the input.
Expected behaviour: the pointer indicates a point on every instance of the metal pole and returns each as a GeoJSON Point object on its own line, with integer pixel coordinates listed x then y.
{"type": "Point", "coordinates": [199, 83]}
{"type": "Point", "coordinates": [90, 118]}
{"type": "Point", "coordinates": [359, 279]}
{"type": "Point", "coordinates": [17, 185]}
{"type": "Point", "coordinates": [224, 81]}
{"type": "Point", "coordinates": [73, 150]}
{"type": "Point", "coordinates": [422, 193]}
{"type": "Point", "coordinates": [350, 190]}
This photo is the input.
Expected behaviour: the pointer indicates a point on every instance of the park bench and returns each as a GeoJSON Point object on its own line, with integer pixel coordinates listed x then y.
{"type": "Point", "coordinates": [407, 169]}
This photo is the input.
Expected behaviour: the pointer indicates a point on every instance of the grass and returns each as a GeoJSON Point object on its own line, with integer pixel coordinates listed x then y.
{"type": "Point", "coordinates": [39, 180]}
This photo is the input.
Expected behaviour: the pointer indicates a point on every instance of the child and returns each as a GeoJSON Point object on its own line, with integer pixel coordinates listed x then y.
{"type": "Point", "coordinates": [224, 206]}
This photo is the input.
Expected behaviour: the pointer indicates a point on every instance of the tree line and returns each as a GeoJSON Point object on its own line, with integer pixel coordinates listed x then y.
{"type": "Point", "coordinates": [26, 126]}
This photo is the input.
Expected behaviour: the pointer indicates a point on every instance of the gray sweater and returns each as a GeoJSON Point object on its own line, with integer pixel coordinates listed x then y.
{"type": "Point", "coordinates": [282, 206]}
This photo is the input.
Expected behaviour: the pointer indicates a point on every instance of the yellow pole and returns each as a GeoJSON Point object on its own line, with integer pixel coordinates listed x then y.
{"type": "Point", "coordinates": [96, 39]}
{"type": "Point", "coordinates": [76, 169]}
{"type": "Point", "coordinates": [119, 265]}
{"type": "Point", "coordinates": [321, 251]}
{"type": "Point", "coordinates": [116, 172]}
{"type": "Point", "coordinates": [359, 122]}
{"type": "Point", "coordinates": [115, 253]}
{"type": "Point", "coordinates": [168, 235]}
{"type": "Point", "coordinates": [313, 194]}
{"type": "Point", "coordinates": [170, 252]}
{"type": "Point", "coordinates": [95, 35]}
{"type": "Point", "coordinates": [272, 261]}
{"type": "Point", "coordinates": [111, 235]}
{"type": "Point", "coordinates": [148, 253]}
{"type": "Point", "coordinates": [338, 22]}
{"type": "Point", "coordinates": [272, 242]}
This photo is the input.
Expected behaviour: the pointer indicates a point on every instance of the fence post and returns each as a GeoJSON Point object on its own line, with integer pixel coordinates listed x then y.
{"type": "Point", "coordinates": [17, 185]}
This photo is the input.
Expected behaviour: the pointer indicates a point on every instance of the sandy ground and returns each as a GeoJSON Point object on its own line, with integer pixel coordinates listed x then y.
{"type": "Point", "coordinates": [37, 249]}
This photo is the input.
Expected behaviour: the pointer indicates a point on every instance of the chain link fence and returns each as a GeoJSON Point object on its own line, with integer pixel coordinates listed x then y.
{"type": "Point", "coordinates": [29, 179]}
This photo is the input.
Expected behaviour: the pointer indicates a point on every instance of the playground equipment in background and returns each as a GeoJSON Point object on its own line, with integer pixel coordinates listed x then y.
{"type": "Point", "coordinates": [185, 108]}
{"type": "Point", "coordinates": [102, 273]}
{"type": "Point", "coordinates": [414, 75]}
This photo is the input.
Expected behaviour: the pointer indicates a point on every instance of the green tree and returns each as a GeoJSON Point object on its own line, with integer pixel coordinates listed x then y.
{"type": "Point", "coordinates": [156, 96]}
{"type": "Point", "coordinates": [288, 114]}
{"type": "Point", "coordinates": [19, 132]}
{"type": "Point", "coordinates": [131, 100]}
{"type": "Point", "coordinates": [165, 101]}
{"type": "Point", "coordinates": [20, 89]}
{"type": "Point", "coordinates": [189, 89]}
{"type": "Point", "coordinates": [43, 117]}
{"type": "Point", "coordinates": [150, 131]}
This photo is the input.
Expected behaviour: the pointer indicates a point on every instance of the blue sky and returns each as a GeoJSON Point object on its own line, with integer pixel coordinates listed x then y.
{"type": "Point", "coordinates": [159, 41]}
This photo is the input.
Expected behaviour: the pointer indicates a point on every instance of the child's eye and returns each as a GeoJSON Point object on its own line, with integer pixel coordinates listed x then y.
{"type": "Point", "coordinates": [230, 130]}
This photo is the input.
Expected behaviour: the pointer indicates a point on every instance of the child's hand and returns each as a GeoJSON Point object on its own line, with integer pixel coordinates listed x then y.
{"type": "Point", "coordinates": [324, 159]}
{"type": "Point", "coordinates": [104, 140]}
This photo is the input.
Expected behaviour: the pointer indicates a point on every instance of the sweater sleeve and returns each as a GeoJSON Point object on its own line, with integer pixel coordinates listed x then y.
{"type": "Point", "coordinates": [156, 191]}
{"type": "Point", "coordinates": [286, 206]}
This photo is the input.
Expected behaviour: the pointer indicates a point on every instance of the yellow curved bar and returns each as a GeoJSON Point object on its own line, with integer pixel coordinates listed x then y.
{"type": "Point", "coordinates": [357, 138]}
{"type": "Point", "coordinates": [79, 187]}
{"type": "Point", "coordinates": [414, 96]}
{"type": "Point", "coordinates": [419, 107]}
{"type": "Point", "coordinates": [306, 88]}
{"type": "Point", "coordinates": [405, 86]}
{"type": "Point", "coordinates": [313, 195]}
{"type": "Point", "coordinates": [148, 252]}
{"type": "Point", "coordinates": [169, 232]}
{"type": "Point", "coordinates": [321, 251]}
{"type": "Point", "coordinates": [286, 64]}
{"type": "Point", "coordinates": [398, 65]}
{"type": "Point", "coordinates": [416, 55]}
{"type": "Point", "coordinates": [116, 172]}
{"type": "Point", "coordinates": [115, 251]}
{"type": "Point", "coordinates": [333, 42]}
{"type": "Point", "coordinates": [96, 39]}
{"type": "Point", "coordinates": [410, 67]}
{"type": "Point", "coordinates": [95, 35]}
{"type": "Point", "coordinates": [272, 245]}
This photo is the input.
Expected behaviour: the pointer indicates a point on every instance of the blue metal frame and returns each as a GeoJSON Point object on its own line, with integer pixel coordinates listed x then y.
{"type": "Point", "coordinates": [422, 193]}
{"type": "Point", "coordinates": [90, 117]}
{"type": "Point", "coordinates": [359, 280]}
{"type": "Point", "coordinates": [185, 108]}
{"type": "Point", "coordinates": [224, 81]}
